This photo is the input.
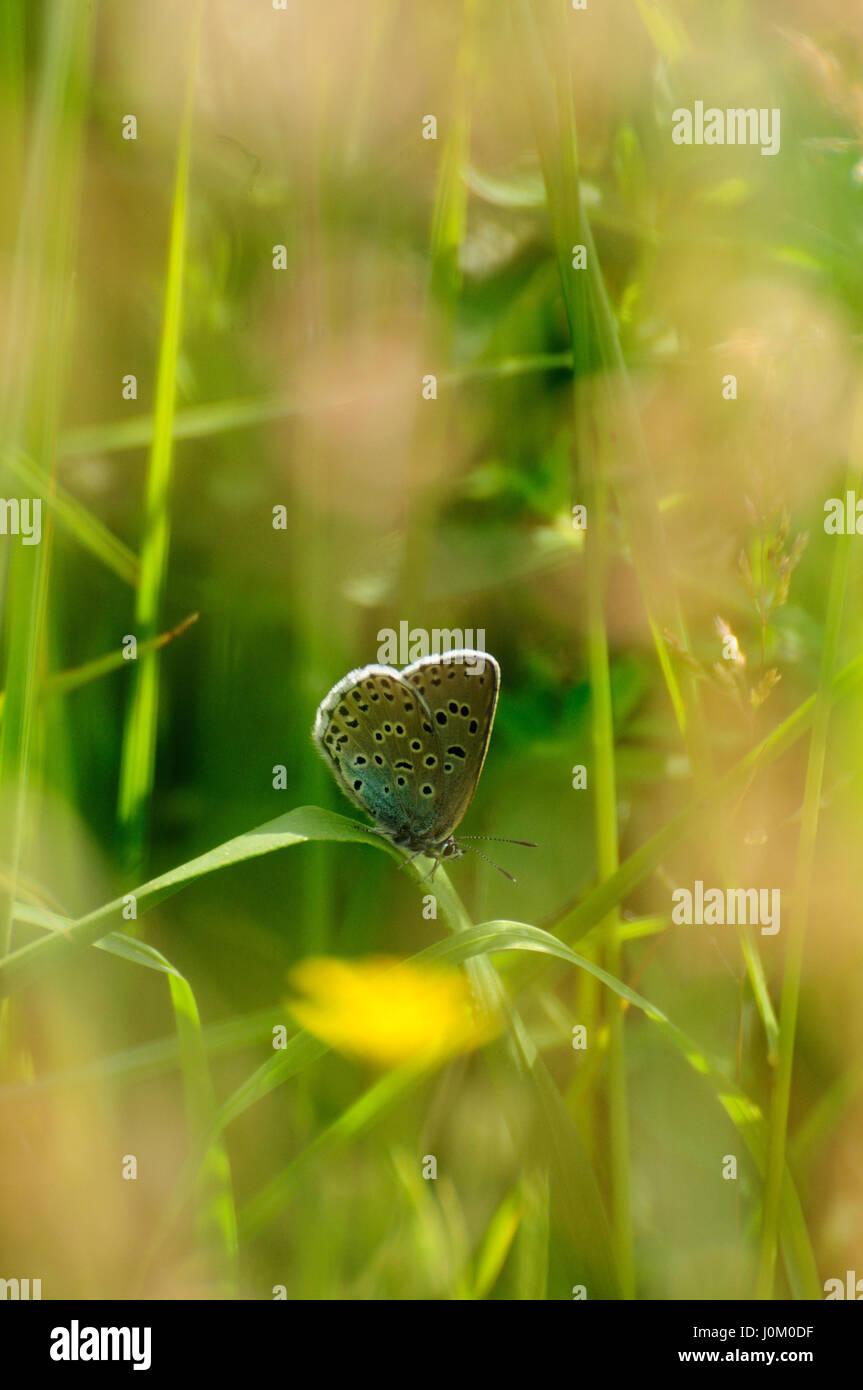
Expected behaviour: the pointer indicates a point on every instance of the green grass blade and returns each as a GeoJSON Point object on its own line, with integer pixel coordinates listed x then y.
{"type": "Point", "coordinates": [216, 1219]}
{"type": "Point", "coordinates": [744, 1114]}
{"type": "Point", "coordinates": [576, 1201]}
{"type": "Point", "coordinates": [358, 1119]}
{"type": "Point", "coordinates": [215, 1214]}
{"type": "Point", "coordinates": [62, 682]}
{"type": "Point", "coordinates": [574, 923]}
{"type": "Point", "coordinates": [139, 739]}
{"type": "Point", "coordinates": [34, 339]}
{"type": "Point", "coordinates": [300, 1052]}
{"type": "Point", "coordinates": [802, 891]}
{"type": "Point", "coordinates": [443, 291]}
{"type": "Point", "coordinates": [314, 823]}
{"type": "Point", "coordinates": [294, 828]}
{"type": "Point", "coordinates": [530, 1257]}
{"type": "Point", "coordinates": [497, 1242]}
{"type": "Point", "coordinates": [116, 944]}
{"type": "Point", "coordinates": [221, 417]}
{"type": "Point", "coordinates": [152, 1058]}
{"type": "Point", "coordinates": [581, 1250]}
{"type": "Point", "coordinates": [74, 518]}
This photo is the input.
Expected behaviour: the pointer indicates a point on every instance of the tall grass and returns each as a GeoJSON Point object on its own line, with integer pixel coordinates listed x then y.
{"type": "Point", "coordinates": [32, 383]}
{"type": "Point", "coordinates": [803, 888]}
{"type": "Point", "coordinates": [139, 740]}
{"type": "Point", "coordinates": [561, 1193]}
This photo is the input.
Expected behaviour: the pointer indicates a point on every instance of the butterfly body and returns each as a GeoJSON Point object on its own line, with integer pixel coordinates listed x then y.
{"type": "Point", "coordinates": [408, 746]}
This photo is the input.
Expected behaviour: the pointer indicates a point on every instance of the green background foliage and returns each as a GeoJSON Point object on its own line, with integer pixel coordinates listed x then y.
{"type": "Point", "coordinates": [301, 388]}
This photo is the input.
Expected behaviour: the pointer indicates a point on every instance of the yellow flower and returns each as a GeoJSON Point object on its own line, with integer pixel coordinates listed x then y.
{"type": "Point", "coordinates": [387, 1012]}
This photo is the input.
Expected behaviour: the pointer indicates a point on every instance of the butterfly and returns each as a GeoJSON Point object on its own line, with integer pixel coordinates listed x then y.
{"type": "Point", "coordinates": [408, 746]}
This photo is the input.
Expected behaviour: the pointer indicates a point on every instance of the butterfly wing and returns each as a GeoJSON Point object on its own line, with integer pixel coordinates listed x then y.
{"type": "Point", "coordinates": [460, 690]}
{"type": "Point", "coordinates": [378, 736]}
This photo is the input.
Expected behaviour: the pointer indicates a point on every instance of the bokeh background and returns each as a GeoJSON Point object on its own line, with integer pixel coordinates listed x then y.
{"type": "Point", "coordinates": [301, 387]}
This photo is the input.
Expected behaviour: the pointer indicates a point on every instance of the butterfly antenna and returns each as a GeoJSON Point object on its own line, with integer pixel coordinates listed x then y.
{"type": "Point", "coordinates": [531, 844]}
{"type": "Point", "coordinates": [491, 861]}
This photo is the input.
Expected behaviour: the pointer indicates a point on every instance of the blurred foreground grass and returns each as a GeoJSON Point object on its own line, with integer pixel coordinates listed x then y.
{"type": "Point", "coordinates": [281, 261]}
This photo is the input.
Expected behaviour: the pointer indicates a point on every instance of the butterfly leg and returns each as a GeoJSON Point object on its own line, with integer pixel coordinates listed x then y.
{"type": "Point", "coordinates": [405, 862]}
{"type": "Point", "coordinates": [431, 873]}
{"type": "Point", "coordinates": [372, 830]}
